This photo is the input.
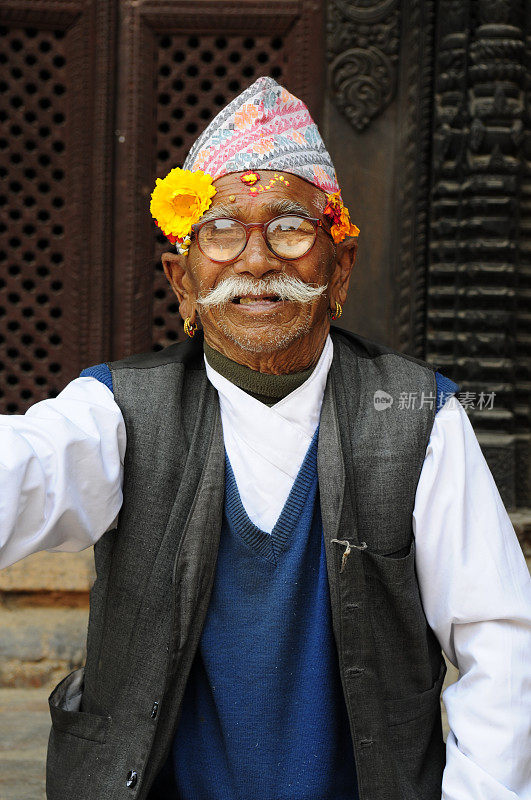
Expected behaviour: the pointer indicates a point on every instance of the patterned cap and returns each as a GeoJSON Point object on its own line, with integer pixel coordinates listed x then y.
{"type": "Point", "coordinates": [265, 127]}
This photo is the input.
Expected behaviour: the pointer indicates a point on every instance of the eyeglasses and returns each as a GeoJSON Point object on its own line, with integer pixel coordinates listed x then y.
{"type": "Point", "coordinates": [288, 237]}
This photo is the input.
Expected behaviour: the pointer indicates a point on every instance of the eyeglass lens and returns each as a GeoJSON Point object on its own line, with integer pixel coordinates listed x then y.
{"type": "Point", "coordinates": [288, 237]}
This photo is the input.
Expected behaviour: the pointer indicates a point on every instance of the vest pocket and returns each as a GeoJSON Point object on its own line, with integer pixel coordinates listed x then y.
{"type": "Point", "coordinates": [414, 706]}
{"type": "Point", "coordinates": [406, 649]}
{"type": "Point", "coordinates": [416, 744]}
{"type": "Point", "coordinates": [396, 566]}
{"type": "Point", "coordinates": [65, 702]}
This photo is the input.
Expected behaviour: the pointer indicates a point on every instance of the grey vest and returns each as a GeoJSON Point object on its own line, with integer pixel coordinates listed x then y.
{"type": "Point", "coordinates": [113, 721]}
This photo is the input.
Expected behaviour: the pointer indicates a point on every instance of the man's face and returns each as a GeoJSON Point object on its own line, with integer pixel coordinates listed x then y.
{"type": "Point", "coordinates": [266, 325]}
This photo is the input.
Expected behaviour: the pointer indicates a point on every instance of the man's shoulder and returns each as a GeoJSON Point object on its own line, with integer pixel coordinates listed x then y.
{"type": "Point", "coordinates": [188, 353]}
{"type": "Point", "coordinates": [371, 349]}
{"type": "Point", "coordinates": [391, 362]}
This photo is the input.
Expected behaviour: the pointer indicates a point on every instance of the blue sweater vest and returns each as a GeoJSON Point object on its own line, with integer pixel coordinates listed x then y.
{"type": "Point", "coordinates": [263, 715]}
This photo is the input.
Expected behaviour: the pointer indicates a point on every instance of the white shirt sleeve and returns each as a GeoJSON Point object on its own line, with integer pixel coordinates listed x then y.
{"type": "Point", "coordinates": [61, 472]}
{"type": "Point", "coordinates": [476, 592]}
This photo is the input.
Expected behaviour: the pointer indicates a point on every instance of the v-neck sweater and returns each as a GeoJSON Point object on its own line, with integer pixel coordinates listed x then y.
{"type": "Point", "coordinates": [263, 714]}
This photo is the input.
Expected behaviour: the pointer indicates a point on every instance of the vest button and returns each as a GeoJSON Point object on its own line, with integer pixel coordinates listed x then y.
{"type": "Point", "coordinates": [132, 778]}
{"type": "Point", "coordinates": [353, 672]}
{"type": "Point", "coordinates": [154, 710]}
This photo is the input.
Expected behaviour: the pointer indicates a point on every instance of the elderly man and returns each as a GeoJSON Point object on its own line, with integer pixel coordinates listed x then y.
{"type": "Point", "coordinates": [284, 547]}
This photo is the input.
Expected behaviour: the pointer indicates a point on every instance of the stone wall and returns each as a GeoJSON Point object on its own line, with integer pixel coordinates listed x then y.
{"type": "Point", "coordinates": [43, 617]}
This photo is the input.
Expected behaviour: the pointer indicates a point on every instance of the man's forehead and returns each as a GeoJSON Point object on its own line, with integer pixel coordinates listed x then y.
{"type": "Point", "coordinates": [270, 206]}
{"type": "Point", "coordinates": [298, 196]}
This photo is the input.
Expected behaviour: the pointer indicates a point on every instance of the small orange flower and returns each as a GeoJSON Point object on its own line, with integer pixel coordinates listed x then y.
{"type": "Point", "coordinates": [333, 206]}
{"type": "Point", "coordinates": [338, 214]}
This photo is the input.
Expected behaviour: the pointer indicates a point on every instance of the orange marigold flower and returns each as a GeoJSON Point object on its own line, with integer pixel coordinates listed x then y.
{"type": "Point", "coordinates": [333, 206]}
{"type": "Point", "coordinates": [338, 214]}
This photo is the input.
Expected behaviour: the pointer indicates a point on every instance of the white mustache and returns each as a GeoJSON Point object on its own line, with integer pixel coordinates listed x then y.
{"type": "Point", "coordinates": [286, 287]}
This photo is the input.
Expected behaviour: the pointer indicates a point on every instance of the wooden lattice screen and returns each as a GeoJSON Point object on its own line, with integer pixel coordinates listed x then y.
{"type": "Point", "coordinates": [32, 232]}
{"type": "Point", "coordinates": [97, 99]}
{"type": "Point", "coordinates": [56, 89]}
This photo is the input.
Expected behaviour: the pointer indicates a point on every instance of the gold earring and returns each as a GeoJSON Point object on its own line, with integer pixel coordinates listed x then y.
{"type": "Point", "coordinates": [190, 327]}
{"type": "Point", "coordinates": [338, 312]}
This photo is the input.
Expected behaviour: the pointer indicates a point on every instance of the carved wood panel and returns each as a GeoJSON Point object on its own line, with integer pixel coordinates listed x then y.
{"type": "Point", "coordinates": [479, 267]}
{"type": "Point", "coordinates": [431, 100]}
{"type": "Point", "coordinates": [363, 53]}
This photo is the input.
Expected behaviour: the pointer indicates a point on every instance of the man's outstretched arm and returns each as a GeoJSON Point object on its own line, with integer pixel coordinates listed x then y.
{"type": "Point", "coordinates": [476, 594]}
{"type": "Point", "coordinates": [61, 471]}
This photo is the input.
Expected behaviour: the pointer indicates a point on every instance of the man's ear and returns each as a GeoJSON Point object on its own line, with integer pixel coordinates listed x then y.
{"type": "Point", "coordinates": [175, 270]}
{"type": "Point", "coordinates": [344, 263]}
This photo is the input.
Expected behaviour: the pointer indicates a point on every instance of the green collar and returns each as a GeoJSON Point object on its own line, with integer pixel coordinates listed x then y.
{"type": "Point", "coordinates": [266, 388]}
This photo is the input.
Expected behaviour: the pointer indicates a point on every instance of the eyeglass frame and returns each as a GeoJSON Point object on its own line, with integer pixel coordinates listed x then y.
{"type": "Point", "coordinates": [249, 226]}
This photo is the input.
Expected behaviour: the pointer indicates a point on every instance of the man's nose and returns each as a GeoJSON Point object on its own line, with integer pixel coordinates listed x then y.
{"type": "Point", "coordinates": [257, 258]}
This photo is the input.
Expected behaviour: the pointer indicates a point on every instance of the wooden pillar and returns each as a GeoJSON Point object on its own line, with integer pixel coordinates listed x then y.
{"type": "Point", "coordinates": [477, 325]}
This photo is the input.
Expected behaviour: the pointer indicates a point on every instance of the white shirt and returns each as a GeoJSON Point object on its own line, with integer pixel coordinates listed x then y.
{"type": "Point", "coordinates": [61, 472]}
{"type": "Point", "coordinates": [266, 445]}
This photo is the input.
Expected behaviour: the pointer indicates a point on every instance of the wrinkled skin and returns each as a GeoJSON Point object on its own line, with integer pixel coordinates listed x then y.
{"type": "Point", "coordinates": [276, 337]}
